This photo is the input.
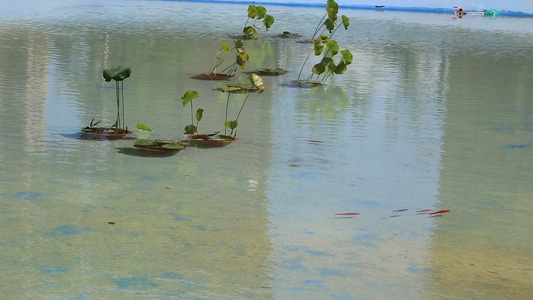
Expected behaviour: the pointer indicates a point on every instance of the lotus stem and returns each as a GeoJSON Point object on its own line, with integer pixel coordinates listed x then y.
{"type": "Point", "coordinates": [318, 26]}
{"type": "Point", "coordinates": [123, 106]}
{"type": "Point", "coordinates": [226, 116]}
{"type": "Point", "coordinates": [242, 106]}
{"type": "Point", "coordinates": [305, 61]}
{"type": "Point", "coordinates": [117, 92]}
{"type": "Point", "coordinates": [192, 118]}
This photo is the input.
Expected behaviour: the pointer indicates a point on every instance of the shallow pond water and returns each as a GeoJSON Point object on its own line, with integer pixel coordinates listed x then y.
{"type": "Point", "coordinates": [435, 113]}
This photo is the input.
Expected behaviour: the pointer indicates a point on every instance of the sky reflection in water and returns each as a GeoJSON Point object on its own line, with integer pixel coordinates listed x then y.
{"type": "Point", "coordinates": [434, 113]}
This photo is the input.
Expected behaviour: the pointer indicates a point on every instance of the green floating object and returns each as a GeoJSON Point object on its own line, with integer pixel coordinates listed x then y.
{"type": "Point", "coordinates": [172, 146]}
{"type": "Point", "coordinates": [117, 73]}
{"type": "Point", "coordinates": [168, 141]}
{"type": "Point", "coordinates": [143, 142]}
{"type": "Point", "coordinates": [491, 13]}
{"type": "Point", "coordinates": [143, 126]}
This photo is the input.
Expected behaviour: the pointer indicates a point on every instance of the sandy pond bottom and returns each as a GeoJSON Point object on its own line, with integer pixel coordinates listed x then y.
{"type": "Point", "coordinates": [434, 113]}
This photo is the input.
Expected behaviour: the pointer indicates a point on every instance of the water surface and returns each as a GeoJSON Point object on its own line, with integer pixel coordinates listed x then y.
{"type": "Point", "coordinates": [434, 113]}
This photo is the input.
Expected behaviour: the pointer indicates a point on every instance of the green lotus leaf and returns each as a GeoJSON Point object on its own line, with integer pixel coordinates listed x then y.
{"type": "Point", "coordinates": [333, 5]}
{"type": "Point", "coordinates": [199, 114]}
{"type": "Point", "coordinates": [117, 73]}
{"type": "Point", "coordinates": [318, 46]}
{"type": "Point", "coordinates": [330, 25]}
{"type": "Point", "coordinates": [143, 142]}
{"type": "Point", "coordinates": [252, 11]}
{"type": "Point", "coordinates": [190, 129]}
{"type": "Point", "coordinates": [241, 59]}
{"type": "Point", "coordinates": [173, 146]}
{"type": "Point", "coordinates": [168, 141]}
{"type": "Point", "coordinates": [231, 88]}
{"type": "Point", "coordinates": [238, 44]}
{"type": "Point", "coordinates": [261, 12]}
{"type": "Point", "coordinates": [144, 127]}
{"type": "Point", "coordinates": [322, 65]}
{"type": "Point", "coordinates": [347, 56]}
{"type": "Point", "coordinates": [319, 68]}
{"type": "Point", "coordinates": [189, 96]}
{"type": "Point", "coordinates": [268, 21]}
{"type": "Point", "coordinates": [249, 31]}
{"type": "Point", "coordinates": [332, 15]}
{"type": "Point", "coordinates": [224, 46]}
{"type": "Point", "coordinates": [289, 34]}
{"type": "Point", "coordinates": [340, 68]}
{"type": "Point", "coordinates": [231, 124]}
{"type": "Point", "coordinates": [333, 47]}
{"type": "Point", "coordinates": [345, 21]}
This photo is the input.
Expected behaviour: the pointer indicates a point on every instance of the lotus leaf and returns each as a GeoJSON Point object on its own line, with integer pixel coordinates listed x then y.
{"type": "Point", "coordinates": [173, 146]}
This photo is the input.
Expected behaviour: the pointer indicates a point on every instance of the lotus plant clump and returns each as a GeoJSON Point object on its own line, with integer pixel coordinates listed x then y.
{"type": "Point", "coordinates": [188, 96]}
{"type": "Point", "coordinates": [118, 74]}
{"type": "Point", "coordinates": [240, 59]}
{"type": "Point", "coordinates": [257, 84]}
{"type": "Point", "coordinates": [256, 13]}
{"type": "Point", "coordinates": [327, 47]}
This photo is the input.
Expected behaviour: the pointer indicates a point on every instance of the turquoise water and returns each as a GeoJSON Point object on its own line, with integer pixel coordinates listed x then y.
{"type": "Point", "coordinates": [434, 113]}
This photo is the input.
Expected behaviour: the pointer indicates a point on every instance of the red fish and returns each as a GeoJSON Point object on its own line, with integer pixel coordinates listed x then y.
{"type": "Point", "coordinates": [347, 214]}
{"type": "Point", "coordinates": [440, 212]}
{"type": "Point", "coordinates": [423, 211]}
{"type": "Point", "coordinates": [313, 141]}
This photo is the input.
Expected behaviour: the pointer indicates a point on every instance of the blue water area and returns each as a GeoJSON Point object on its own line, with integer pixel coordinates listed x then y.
{"type": "Point", "coordinates": [408, 7]}
{"type": "Point", "coordinates": [68, 230]}
{"type": "Point", "coordinates": [520, 146]}
{"type": "Point", "coordinates": [432, 114]}
{"type": "Point", "coordinates": [25, 195]}
{"type": "Point", "coordinates": [55, 270]}
{"type": "Point", "coordinates": [139, 282]}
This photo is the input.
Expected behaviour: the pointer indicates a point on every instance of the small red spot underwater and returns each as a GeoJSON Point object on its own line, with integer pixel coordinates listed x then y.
{"type": "Point", "coordinates": [313, 141]}
{"type": "Point", "coordinates": [443, 211]}
{"type": "Point", "coordinates": [438, 213]}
